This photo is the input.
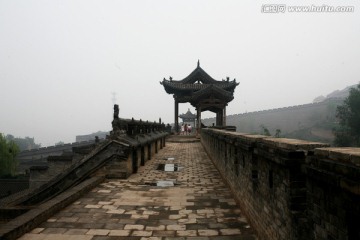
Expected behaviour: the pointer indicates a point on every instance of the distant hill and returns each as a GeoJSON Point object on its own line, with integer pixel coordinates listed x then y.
{"type": "Point", "coordinates": [335, 94]}
{"type": "Point", "coordinates": [312, 122]}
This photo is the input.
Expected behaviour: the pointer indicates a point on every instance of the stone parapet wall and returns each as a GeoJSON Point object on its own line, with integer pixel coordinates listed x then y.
{"type": "Point", "coordinates": [50, 151]}
{"type": "Point", "coordinates": [333, 184]}
{"type": "Point", "coordinates": [137, 150]}
{"type": "Point", "coordinates": [285, 185]}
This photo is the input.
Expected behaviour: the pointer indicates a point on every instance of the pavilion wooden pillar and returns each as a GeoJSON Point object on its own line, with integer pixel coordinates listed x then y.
{"type": "Point", "coordinates": [220, 118]}
{"type": "Point", "coordinates": [224, 116]}
{"type": "Point", "coordinates": [198, 117]}
{"type": "Point", "coordinates": [176, 116]}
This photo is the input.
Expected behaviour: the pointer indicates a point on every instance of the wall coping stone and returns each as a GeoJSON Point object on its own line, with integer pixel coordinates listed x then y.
{"type": "Point", "coordinates": [292, 144]}
{"type": "Point", "coordinates": [284, 143]}
{"type": "Point", "coordinates": [338, 166]}
{"type": "Point", "coordinates": [348, 155]}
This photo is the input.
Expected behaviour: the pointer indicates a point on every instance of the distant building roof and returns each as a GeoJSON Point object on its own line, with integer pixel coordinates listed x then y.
{"type": "Point", "coordinates": [188, 115]}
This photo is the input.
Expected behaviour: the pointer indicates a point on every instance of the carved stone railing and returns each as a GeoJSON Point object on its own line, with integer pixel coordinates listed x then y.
{"type": "Point", "coordinates": [129, 146]}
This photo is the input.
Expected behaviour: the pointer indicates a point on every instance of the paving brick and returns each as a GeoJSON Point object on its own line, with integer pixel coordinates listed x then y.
{"type": "Point", "coordinates": [164, 233]}
{"type": "Point", "coordinates": [98, 232]}
{"type": "Point", "coordinates": [141, 233]}
{"type": "Point", "coordinates": [208, 232]}
{"type": "Point", "coordinates": [134, 227]}
{"type": "Point", "coordinates": [230, 231]}
{"type": "Point", "coordinates": [160, 227]}
{"type": "Point", "coordinates": [176, 227]}
{"type": "Point", "coordinates": [54, 231]}
{"type": "Point", "coordinates": [198, 207]}
{"type": "Point", "coordinates": [76, 231]}
{"type": "Point", "coordinates": [186, 233]}
{"type": "Point", "coordinates": [68, 219]}
{"type": "Point", "coordinates": [37, 230]}
{"type": "Point", "coordinates": [197, 238]}
{"type": "Point", "coordinates": [119, 233]}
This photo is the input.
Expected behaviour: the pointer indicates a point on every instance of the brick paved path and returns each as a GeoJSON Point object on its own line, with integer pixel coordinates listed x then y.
{"type": "Point", "coordinates": [199, 207]}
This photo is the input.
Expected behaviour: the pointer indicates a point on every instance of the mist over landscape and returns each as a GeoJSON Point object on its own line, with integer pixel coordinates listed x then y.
{"type": "Point", "coordinates": [63, 64]}
{"type": "Point", "coordinates": [157, 119]}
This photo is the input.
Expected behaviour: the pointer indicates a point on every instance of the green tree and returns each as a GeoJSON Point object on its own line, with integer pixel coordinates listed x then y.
{"type": "Point", "coordinates": [348, 133]}
{"type": "Point", "coordinates": [8, 152]}
{"type": "Point", "coordinates": [265, 131]}
{"type": "Point", "coordinates": [277, 133]}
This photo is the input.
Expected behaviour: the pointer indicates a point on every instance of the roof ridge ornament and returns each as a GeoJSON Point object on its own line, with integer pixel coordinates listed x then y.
{"type": "Point", "coordinates": [198, 63]}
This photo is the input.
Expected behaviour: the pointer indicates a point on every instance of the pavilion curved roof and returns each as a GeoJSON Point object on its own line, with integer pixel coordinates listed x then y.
{"type": "Point", "coordinates": [198, 75]}
{"type": "Point", "coordinates": [172, 87]}
{"type": "Point", "coordinates": [188, 115]}
{"type": "Point", "coordinates": [195, 81]}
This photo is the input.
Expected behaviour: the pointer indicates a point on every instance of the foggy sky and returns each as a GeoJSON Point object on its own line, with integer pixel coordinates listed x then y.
{"type": "Point", "coordinates": [61, 60]}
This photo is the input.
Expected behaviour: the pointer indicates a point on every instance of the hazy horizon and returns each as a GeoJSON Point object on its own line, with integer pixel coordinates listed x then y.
{"type": "Point", "coordinates": [60, 61]}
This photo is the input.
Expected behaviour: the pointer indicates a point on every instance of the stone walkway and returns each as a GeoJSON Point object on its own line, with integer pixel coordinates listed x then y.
{"type": "Point", "coordinates": [198, 207]}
